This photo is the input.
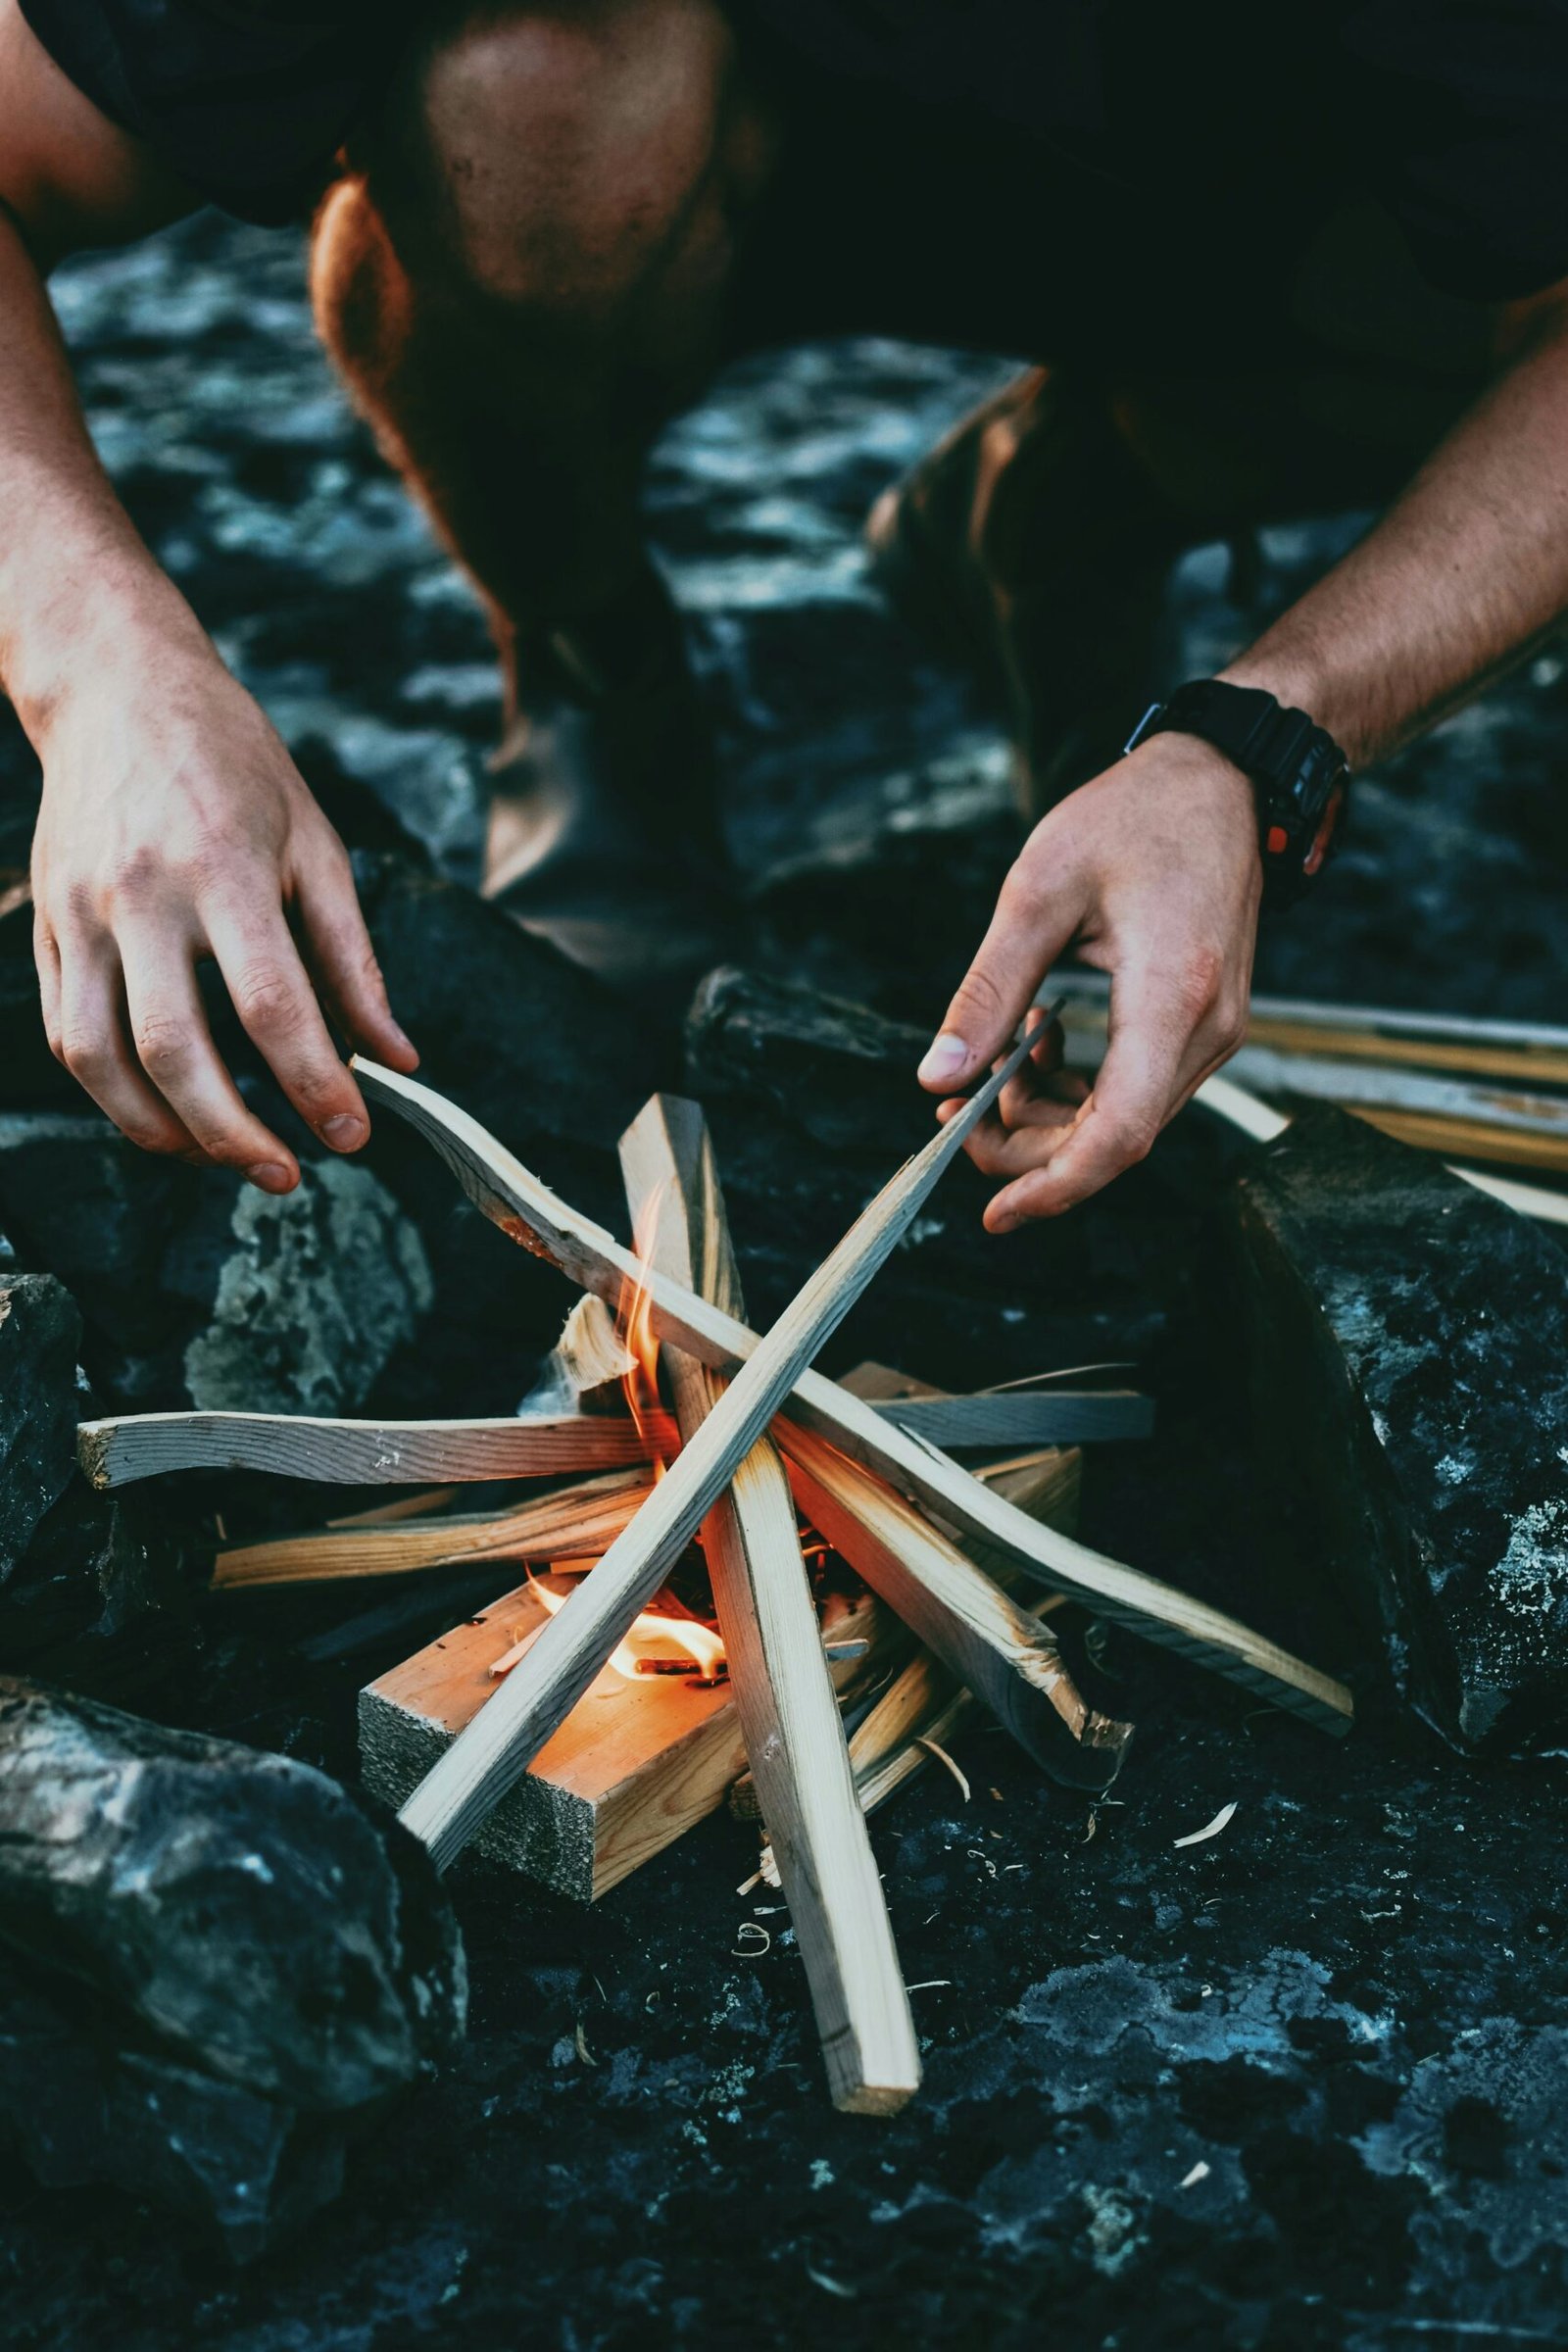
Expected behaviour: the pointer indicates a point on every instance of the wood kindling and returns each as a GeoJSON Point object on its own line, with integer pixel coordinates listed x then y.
{"type": "Point", "coordinates": [114, 1451]}
{"type": "Point", "coordinates": [783, 1692]}
{"type": "Point", "coordinates": [577, 1521]}
{"type": "Point", "coordinates": [516, 1200]}
{"type": "Point", "coordinates": [478, 1768]}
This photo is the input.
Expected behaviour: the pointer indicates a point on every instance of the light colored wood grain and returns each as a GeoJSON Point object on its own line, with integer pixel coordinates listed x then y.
{"type": "Point", "coordinates": [577, 1520]}
{"type": "Point", "coordinates": [783, 1692]}
{"type": "Point", "coordinates": [477, 1769]}
{"type": "Point", "coordinates": [114, 1451]}
{"type": "Point", "coordinates": [539, 1221]}
{"type": "Point", "coordinates": [635, 1765]}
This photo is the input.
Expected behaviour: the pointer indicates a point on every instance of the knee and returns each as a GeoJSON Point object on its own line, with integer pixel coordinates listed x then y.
{"type": "Point", "coordinates": [560, 152]}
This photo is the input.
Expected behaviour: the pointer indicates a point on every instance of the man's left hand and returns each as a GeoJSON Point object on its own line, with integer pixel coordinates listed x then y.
{"type": "Point", "coordinates": [1153, 873]}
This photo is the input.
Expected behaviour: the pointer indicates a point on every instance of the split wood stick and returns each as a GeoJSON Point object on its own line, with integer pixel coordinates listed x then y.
{"type": "Point", "coordinates": [784, 1693]}
{"type": "Point", "coordinates": [516, 1200]}
{"type": "Point", "coordinates": [1534, 1052]}
{"type": "Point", "coordinates": [581, 1520]}
{"type": "Point", "coordinates": [1262, 1122]}
{"type": "Point", "coordinates": [114, 1452]}
{"type": "Point", "coordinates": [479, 1767]}
{"type": "Point", "coordinates": [1023, 1416]}
{"type": "Point", "coordinates": [986, 1641]}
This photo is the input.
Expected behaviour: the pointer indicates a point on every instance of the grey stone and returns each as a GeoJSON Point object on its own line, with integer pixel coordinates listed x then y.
{"type": "Point", "coordinates": [40, 1336]}
{"type": "Point", "coordinates": [323, 1284]}
{"type": "Point", "coordinates": [81, 2111]}
{"type": "Point", "coordinates": [1410, 1346]}
{"type": "Point", "coordinates": [241, 1912]}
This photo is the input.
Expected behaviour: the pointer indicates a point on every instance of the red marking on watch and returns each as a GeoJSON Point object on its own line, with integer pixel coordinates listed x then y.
{"type": "Point", "coordinates": [1278, 841]}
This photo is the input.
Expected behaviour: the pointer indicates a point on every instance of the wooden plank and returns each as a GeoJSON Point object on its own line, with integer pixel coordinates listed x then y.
{"type": "Point", "coordinates": [635, 1765]}
{"type": "Point", "coordinates": [477, 1769]}
{"type": "Point", "coordinates": [539, 1221]}
{"type": "Point", "coordinates": [577, 1520]}
{"type": "Point", "coordinates": [114, 1451]}
{"type": "Point", "coordinates": [783, 1693]}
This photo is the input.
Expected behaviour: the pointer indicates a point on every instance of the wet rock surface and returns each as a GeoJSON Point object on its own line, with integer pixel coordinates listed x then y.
{"type": "Point", "coordinates": [1299, 2086]}
{"type": "Point", "coordinates": [40, 1403]}
{"type": "Point", "coordinates": [1411, 1338]}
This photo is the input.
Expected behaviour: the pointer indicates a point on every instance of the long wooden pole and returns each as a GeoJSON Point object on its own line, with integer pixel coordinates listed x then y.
{"type": "Point", "coordinates": [784, 1695]}
{"type": "Point", "coordinates": [478, 1768]}
{"type": "Point", "coordinates": [521, 1205]}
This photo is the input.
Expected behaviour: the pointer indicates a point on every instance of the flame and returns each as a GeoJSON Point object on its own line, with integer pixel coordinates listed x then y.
{"type": "Point", "coordinates": [639, 1654]}
{"type": "Point", "coordinates": [636, 1316]}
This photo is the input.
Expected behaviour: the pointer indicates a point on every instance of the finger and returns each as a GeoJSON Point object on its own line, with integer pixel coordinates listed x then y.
{"type": "Point", "coordinates": [96, 1050]}
{"type": "Point", "coordinates": [46, 959]}
{"type": "Point", "coordinates": [1030, 928]}
{"type": "Point", "coordinates": [344, 961]}
{"type": "Point", "coordinates": [1154, 1049]}
{"type": "Point", "coordinates": [1006, 1152]}
{"type": "Point", "coordinates": [176, 1053]}
{"type": "Point", "coordinates": [281, 1016]}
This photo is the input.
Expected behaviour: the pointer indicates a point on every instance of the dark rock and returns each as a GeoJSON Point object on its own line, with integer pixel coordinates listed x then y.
{"type": "Point", "coordinates": [41, 1338]}
{"type": "Point", "coordinates": [198, 1290]}
{"type": "Point", "coordinates": [813, 1104]}
{"type": "Point", "coordinates": [81, 2111]}
{"type": "Point", "coordinates": [252, 1919]}
{"type": "Point", "coordinates": [1410, 1346]}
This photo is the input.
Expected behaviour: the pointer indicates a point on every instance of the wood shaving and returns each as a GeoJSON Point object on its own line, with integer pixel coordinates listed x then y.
{"type": "Point", "coordinates": [1211, 1828]}
{"type": "Point", "coordinates": [934, 1747]}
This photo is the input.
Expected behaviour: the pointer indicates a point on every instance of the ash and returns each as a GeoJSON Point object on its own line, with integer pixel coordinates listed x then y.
{"type": "Point", "coordinates": [1304, 2084]}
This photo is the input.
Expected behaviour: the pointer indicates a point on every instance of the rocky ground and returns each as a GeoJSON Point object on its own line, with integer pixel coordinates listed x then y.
{"type": "Point", "coordinates": [1303, 2084]}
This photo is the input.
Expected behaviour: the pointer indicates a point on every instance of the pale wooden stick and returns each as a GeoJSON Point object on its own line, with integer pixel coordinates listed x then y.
{"type": "Point", "coordinates": [783, 1691]}
{"type": "Point", "coordinates": [582, 1519]}
{"type": "Point", "coordinates": [114, 1451]}
{"type": "Point", "coordinates": [985, 1638]}
{"type": "Point", "coordinates": [478, 1768]}
{"type": "Point", "coordinates": [516, 1200]}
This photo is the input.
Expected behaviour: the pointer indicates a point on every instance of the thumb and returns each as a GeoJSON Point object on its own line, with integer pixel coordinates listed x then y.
{"type": "Point", "coordinates": [1026, 935]}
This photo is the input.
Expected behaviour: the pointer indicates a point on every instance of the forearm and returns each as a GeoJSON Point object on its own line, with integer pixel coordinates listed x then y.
{"type": "Point", "coordinates": [80, 593]}
{"type": "Point", "coordinates": [1461, 578]}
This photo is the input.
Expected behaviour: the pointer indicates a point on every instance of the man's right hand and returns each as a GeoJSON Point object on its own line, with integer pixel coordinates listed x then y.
{"type": "Point", "coordinates": [176, 828]}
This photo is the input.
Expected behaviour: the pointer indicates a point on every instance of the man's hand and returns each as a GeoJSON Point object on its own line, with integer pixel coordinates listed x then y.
{"type": "Point", "coordinates": [1153, 873]}
{"type": "Point", "coordinates": [175, 828]}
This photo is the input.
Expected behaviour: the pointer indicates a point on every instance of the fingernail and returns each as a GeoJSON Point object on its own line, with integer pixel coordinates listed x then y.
{"type": "Point", "coordinates": [1008, 1225]}
{"type": "Point", "coordinates": [344, 1132]}
{"type": "Point", "coordinates": [270, 1175]}
{"type": "Point", "coordinates": [406, 1042]}
{"type": "Point", "coordinates": [946, 1056]}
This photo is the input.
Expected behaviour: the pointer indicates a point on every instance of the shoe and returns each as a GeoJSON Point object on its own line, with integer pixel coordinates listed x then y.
{"type": "Point", "coordinates": [1032, 546]}
{"type": "Point", "coordinates": [604, 834]}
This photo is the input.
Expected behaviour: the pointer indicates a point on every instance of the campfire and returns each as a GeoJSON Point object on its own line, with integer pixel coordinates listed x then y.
{"type": "Point", "coordinates": [855, 1593]}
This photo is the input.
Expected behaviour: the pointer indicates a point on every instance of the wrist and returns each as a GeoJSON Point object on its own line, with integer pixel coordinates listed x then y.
{"type": "Point", "coordinates": [134, 631]}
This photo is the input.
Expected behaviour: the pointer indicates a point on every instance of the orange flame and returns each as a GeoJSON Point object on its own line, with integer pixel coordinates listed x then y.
{"type": "Point", "coordinates": [646, 1648]}
{"type": "Point", "coordinates": [641, 1386]}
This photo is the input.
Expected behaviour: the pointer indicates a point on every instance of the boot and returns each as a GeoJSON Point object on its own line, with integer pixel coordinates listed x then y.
{"type": "Point", "coordinates": [603, 833]}
{"type": "Point", "coordinates": [1032, 546]}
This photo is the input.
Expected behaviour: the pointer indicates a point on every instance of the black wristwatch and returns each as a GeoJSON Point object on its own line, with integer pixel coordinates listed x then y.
{"type": "Point", "coordinates": [1297, 771]}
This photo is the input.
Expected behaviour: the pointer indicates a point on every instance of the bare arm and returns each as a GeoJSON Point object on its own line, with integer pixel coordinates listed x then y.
{"type": "Point", "coordinates": [1151, 870]}
{"type": "Point", "coordinates": [173, 826]}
